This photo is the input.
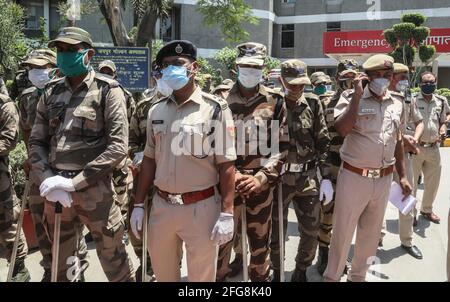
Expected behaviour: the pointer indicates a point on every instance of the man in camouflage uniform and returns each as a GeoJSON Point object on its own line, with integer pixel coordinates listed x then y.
{"type": "Point", "coordinates": [20, 82]}
{"type": "Point", "coordinates": [347, 70]}
{"type": "Point", "coordinates": [3, 89]}
{"type": "Point", "coordinates": [80, 135]}
{"type": "Point", "coordinates": [256, 173]}
{"type": "Point", "coordinates": [39, 64]}
{"type": "Point", "coordinates": [9, 205]}
{"type": "Point", "coordinates": [303, 154]}
{"type": "Point", "coordinates": [122, 177]}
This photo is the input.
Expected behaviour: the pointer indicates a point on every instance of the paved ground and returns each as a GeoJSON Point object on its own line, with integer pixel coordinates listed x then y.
{"type": "Point", "coordinates": [394, 265]}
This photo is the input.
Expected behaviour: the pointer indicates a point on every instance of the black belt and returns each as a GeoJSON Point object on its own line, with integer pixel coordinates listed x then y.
{"type": "Point", "coordinates": [299, 168]}
{"type": "Point", "coordinates": [67, 173]}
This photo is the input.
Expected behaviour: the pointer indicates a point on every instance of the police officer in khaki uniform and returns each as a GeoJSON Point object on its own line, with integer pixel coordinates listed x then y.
{"type": "Point", "coordinates": [80, 135]}
{"type": "Point", "coordinates": [370, 119]}
{"type": "Point", "coordinates": [413, 119]}
{"type": "Point", "coordinates": [187, 206]}
{"type": "Point", "coordinates": [434, 109]}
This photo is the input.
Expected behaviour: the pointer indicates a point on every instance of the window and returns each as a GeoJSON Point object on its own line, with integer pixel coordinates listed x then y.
{"type": "Point", "coordinates": [333, 26]}
{"type": "Point", "coordinates": [287, 35]}
{"type": "Point", "coordinates": [288, 1]}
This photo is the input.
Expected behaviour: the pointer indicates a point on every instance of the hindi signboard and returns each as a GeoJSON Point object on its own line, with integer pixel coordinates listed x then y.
{"type": "Point", "coordinates": [132, 65]}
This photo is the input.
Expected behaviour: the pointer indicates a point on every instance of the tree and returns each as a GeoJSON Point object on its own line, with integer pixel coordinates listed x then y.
{"type": "Point", "coordinates": [408, 40]}
{"type": "Point", "coordinates": [66, 11]}
{"type": "Point", "coordinates": [12, 39]}
{"type": "Point", "coordinates": [229, 16]}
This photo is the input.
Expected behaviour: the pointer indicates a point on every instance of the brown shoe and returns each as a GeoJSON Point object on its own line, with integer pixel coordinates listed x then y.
{"type": "Point", "coordinates": [431, 217]}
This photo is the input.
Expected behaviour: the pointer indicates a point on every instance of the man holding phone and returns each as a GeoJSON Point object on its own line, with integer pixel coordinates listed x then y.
{"type": "Point", "coordinates": [370, 120]}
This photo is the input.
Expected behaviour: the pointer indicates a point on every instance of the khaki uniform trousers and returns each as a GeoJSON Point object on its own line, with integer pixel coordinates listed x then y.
{"type": "Point", "coordinates": [360, 204]}
{"type": "Point", "coordinates": [171, 225]}
{"type": "Point", "coordinates": [428, 161]}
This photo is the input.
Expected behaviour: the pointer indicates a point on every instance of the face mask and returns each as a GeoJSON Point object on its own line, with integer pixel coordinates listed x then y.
{"type": "Point", "coordinates": [39, 77]}
{"type": "Point", "coordinates": [72, 63]}
{"type": "Point", "coordinates": [176, 77]}
{"type": "Point", "coordinates": [428, 89]}
{"type": "Point", "coordinates": [346, 84]}
{"type": "Point", "coordinates": [402, 85]}
{"type": "Point", "coordinates": [329, 87]}
{"type": "Point", "coordinates": [319, 90]}
{"type": "Point", "coordinates": [163, 88]}
{"type": "Point", "coordinates": [379, 86]}
{"type": "Point", "coordinates": [249, 77]}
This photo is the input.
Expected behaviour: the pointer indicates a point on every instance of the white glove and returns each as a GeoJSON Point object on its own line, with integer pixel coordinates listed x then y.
{"type": "Point", "coordinates": [56, 183]}
{"type": "Point", "coordinates": [138, 157]}
{"type": "Point", "coordinates": [326, 191]}
{"type": "Point", "coordinates": [137, 216]}
{"type": "Point", "coordinates": [223, 229]}
{"type": "Point", "coordinates": [63, 197]}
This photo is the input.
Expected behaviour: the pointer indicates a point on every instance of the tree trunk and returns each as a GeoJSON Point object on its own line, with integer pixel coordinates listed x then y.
{"type": "Point", "coordinates": [113, 15]}
{"type": "Point", "coordinates": [146, 29]}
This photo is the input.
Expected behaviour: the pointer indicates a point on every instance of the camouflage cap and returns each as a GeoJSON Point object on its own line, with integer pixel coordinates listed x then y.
{"type": "Point", "coordinates": [295, 72]}
{"type": "Point", "coordinates": [318, 78]}
{"type": "Point", "coordinates": [347, 66]}
{"type": "Point", "coordinates": [71, 35]}
{"type": "Point", "coordinates": [107, 63]}
{"type": "Point", "coordinates": [40, 57]}
{"type": "Point", "coordinates": [400, 68]}
{"type": "Point", "coordinates": [251, 53]}
{"type": "Point", "coordinates": [379, 62]}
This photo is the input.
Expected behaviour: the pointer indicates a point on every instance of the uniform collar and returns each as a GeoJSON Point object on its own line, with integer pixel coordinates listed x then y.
{"type": "Point", "coordinates": [195, 97]}
{"type": "Point", "coordinates": [262, 90]}
{"type": "Point", "coordinates": [420, 96]}
{"type": "Point", "coordinates": [87, 81]}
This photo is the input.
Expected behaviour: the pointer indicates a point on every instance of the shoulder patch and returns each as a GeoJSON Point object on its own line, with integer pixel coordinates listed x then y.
{"type": "Point", "coordinates": [223, 104]}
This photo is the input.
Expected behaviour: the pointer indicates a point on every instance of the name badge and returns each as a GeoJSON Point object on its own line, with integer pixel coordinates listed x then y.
{"type": "Point", "coordinates": [367, 111]}
{"type": "Point", "coordinates": [157, 122]}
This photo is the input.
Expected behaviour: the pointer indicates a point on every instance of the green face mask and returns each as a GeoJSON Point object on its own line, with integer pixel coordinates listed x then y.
{"type": "Point", "coordinates": [319, 90]}
{"type": "Point", "coordinates": [71, 63]}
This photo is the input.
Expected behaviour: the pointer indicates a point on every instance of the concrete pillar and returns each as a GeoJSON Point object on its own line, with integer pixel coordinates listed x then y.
{"type": "Point", "coordinates": [47, 17]}
{"type": "Point", "coordinates": [435, 67]}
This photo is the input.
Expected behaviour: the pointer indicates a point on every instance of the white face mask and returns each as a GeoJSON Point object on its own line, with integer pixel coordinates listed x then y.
{"type": "Point", "coordinates": [249, 77]}
{"type": "Point", "coordinates": [38, 77]}
{"type": "Point", "coordinates": [379, 86]}
{"type": "Point", "coordinates": [402, 85]}
{"type": "Point", "coordinates": [163, 88]}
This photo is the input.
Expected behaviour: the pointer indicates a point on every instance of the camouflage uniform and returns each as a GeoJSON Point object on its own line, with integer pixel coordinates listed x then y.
{"type": "Point", "coordinates": [266, 169]}
{"type": "Point", "coordinates": [83, 134]}
{"type": "Point", "coordinates": [20, 83]}
{"type": "Point", "coordinates": [305, 152]}
{"type": "Point", "coordinates": [3, 89]}
{"type": "Point", "coordinates": [122, 177]}
{"type": "Point", "coordinates": [9, 205]}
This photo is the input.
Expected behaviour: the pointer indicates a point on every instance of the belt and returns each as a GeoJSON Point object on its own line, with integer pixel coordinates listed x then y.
{"type": "Point", "coordinates": [370, 173]}
{"type": "Point", "coordinates": [186, 198]}
{"type": "Point", "coordinates": [427, 145]}
{"type": "Point", "coordinates": [67, 173]}
{"type": "Point", "coordinates": [299, 168]}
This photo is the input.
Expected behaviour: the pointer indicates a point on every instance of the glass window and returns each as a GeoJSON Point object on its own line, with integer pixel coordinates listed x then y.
{"type": "Point", "coordinates": [333, 26]}
{"type": "Point", "coordinates": [287, 35]}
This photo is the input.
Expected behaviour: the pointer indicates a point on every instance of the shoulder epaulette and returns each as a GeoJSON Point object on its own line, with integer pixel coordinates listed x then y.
{"type": "Point", "coordinates": [111, 82]}
{"type": "Point", "coordinates": [222, 103]}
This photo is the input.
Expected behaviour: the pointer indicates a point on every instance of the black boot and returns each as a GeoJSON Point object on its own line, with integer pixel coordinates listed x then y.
{"type": "Point", "coordinates": [299, 276]}
{"type": "Point", "coordinates": [20, 272]}
{"type": "Point", "coordinates": [276, 276]}
{"type": "Point", "coordinates": [323, 259]}
{"type": "Point", "coordinates": [235, 266]}
{"type": "Point", "coordinates": [47, 275]}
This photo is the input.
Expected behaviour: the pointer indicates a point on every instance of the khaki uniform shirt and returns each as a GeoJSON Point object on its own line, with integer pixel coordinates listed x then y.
{"type": "Point", "coordinates": [434, 115]}
{"type": "Point", "coordinates": [178, 138]}
{"type": "Point", "coordinates": [372, 141]}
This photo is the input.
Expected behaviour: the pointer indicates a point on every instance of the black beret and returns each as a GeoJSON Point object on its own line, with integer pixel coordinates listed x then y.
{"type": "Point", "coordinates": [176, 48]}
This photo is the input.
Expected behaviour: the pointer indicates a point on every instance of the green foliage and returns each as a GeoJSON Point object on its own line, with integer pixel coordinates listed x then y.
{"type": "Point", "coordinates": [426, 52]}
{"type": "Point", "coordinates": [416, 19]}
{"type": "Point", "coordinates": [207, 71]}
{"type": "Point", "coordinates": [156, 46]}
{"type": "Point", "coordinates": [444, 92]}
{"type": "Point", "coordinates": [389, 35]}
{"type": "Point", "coordinates": [420, 34]}
{"type": "Point", "coordinates": [12, 45]}
{"type": "Point", "coordinates": [86, 7]}
{"type": "Point", "coordinates": [226, 57]}
{"type": "Point", "coordinates": [404, 31]}
{"type": "Point", "coordinates": [16, 159]}
{"type": "Point", "coordinates": [229, 16]}
{"type": "Point", "coordinates": [415, 90]}
{"type": "Point", "coordinates": [271, 63]}
{"type": "Point", "coordinates": [160, 7]}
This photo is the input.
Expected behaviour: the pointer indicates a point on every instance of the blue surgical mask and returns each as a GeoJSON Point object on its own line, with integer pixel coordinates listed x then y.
{"type": "Point", "coordinates": [175, 77]}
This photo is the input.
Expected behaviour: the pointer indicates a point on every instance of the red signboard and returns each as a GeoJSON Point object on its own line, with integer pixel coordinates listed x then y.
{"type": "Point", "coordinates": [372, 41]}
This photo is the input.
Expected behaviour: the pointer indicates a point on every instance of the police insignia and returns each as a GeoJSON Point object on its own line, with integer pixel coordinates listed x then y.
{"type": "Point", "coordinates": [178, 49]}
